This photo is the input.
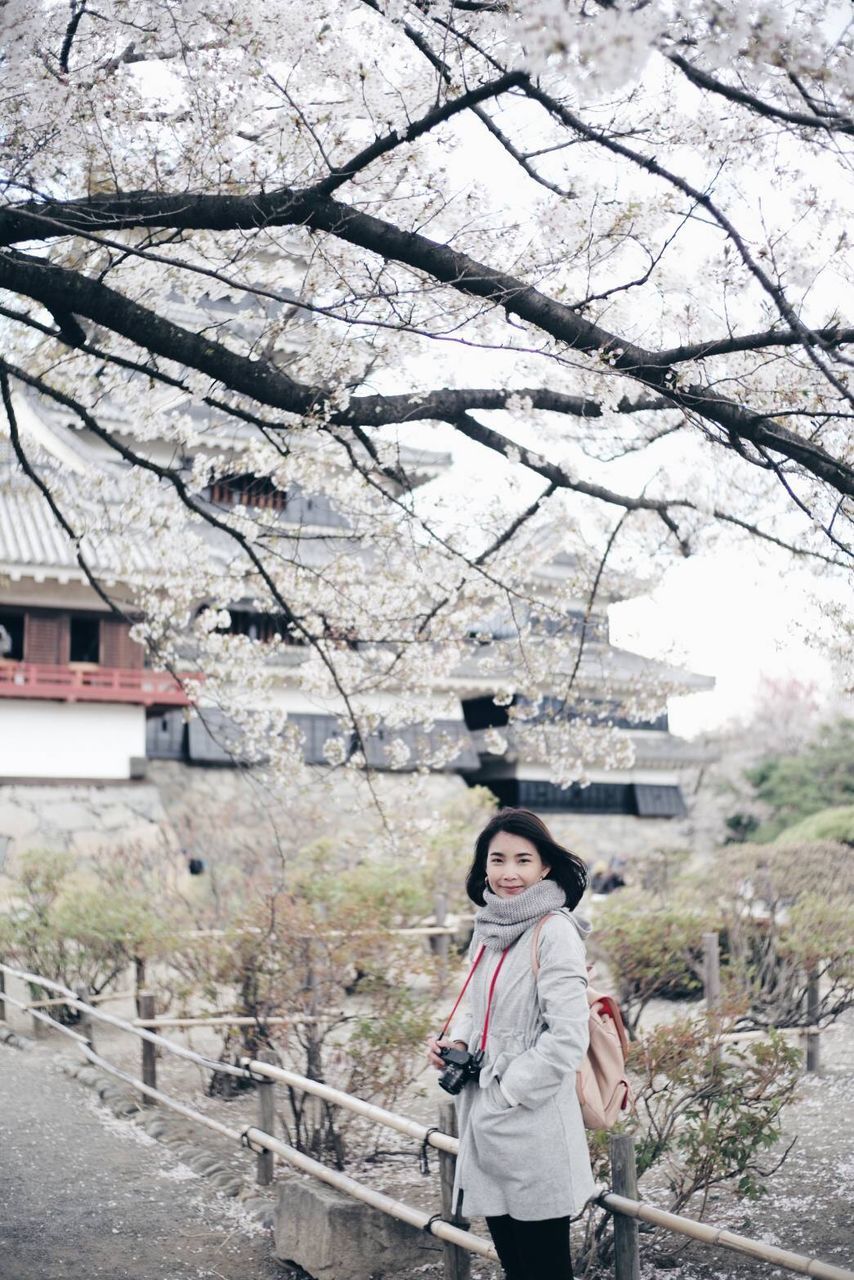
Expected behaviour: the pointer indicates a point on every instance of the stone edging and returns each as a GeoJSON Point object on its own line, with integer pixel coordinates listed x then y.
{"type": "Point", "coordinates": [14, 1040]}
{"type": "Point", "coordinates": [176, 1133]}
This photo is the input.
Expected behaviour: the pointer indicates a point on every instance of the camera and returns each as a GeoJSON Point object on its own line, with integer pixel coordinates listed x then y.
{"type": "Point", "coordinates": [460, 1067]}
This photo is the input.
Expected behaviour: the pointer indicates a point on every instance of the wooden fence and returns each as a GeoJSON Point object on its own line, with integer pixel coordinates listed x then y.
{"type": "Point", "coordinates": [621, 1200]}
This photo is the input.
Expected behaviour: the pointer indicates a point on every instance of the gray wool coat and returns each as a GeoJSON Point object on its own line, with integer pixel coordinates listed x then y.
{"type": "Point", "coordinates": [523, 1146]}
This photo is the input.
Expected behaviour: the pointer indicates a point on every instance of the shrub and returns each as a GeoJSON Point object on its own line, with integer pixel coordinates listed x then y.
{"type": "Point", "coordinates": [796, 786]}
{"type": "Point", "coordinates": [77, 927]}
{"type": "Point", "coordinates": [830, 824]}
{"type": "Point", "coordinates": [788, 914]}
{"type": "Point", "coordinates": [652, 949]}
{"type": "Point", "coordinates": [707, 1112]}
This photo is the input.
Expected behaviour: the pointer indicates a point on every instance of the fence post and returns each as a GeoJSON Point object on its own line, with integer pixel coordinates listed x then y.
{"type": "Point", "coordinates": [145, 1011]}
{"type": "Point", "coordinates": [712, 985]}
{"type": "Point", "coordinates": [441, 941]}
{"type": "Point", "coordinates": [138, 980]}
{"type": "Point", "coordinates": [624, 1181]}
{"type": "Point", "coordinates": [457, 1263]}
{"type": "Point", "coordinates": [813, 1005]}
{"type": "Point", "coordinates": [2, 992]}
{"type": "Point", "coordinates": [711, 970]}
{"type": "Point", "coordinates": [87, 1027]}
{"type": "Point", "coordinates": [266, 1123]}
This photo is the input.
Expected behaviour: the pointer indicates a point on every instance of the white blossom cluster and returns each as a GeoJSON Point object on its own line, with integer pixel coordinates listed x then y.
{"type": "Point", "coordinates": [609, 184]}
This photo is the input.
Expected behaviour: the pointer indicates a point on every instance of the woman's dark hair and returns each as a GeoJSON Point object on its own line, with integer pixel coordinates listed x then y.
{"type": "Point", "coordinates": [565, 868]}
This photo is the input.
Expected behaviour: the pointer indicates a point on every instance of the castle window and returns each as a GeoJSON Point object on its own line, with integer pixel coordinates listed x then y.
{"type": "Point", "coordinates": [263, 627]}
{"type": "Point", "coordinates": [483, 713]}
{"type": "Point", "coordinates": [249, 491]}
{"type": "Point", "coordinates": [636, 799]}
{"type": "Point", "coordinates": [84, 639]}
{"type": "Point", "coordinates": [12, 635]}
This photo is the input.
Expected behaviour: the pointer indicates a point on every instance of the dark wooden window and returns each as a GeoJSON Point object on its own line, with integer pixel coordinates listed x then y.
{"type": "Point", "coordinates": [659, 802]}
{"type": "Point", "coordinates": [166, 736]}
{"type": "Point", "coordinates": [482, 713]}
{"type": "Point", "coordinates": [117, 648]}
{"type": "Point", "coordinates": [636, 799]}
{"type": "Point", "coordinates": [84, 638]}
{"type": "Point", "coordinates": [249, 491]}
{"type": "Point", "coordinates": [12, 635]}
{"type": "Point", "coordinates": [46, 637]}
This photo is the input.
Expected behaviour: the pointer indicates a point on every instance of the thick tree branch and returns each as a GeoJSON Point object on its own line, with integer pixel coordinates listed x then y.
{"type": "Point", "coordinates": [56, 287]}
{"type": "Point", "coordinates": [830, 337]}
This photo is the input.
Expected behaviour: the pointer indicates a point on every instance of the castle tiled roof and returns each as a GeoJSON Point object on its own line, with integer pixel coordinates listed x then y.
{"type": "Point", "coordinates": [33, 544]}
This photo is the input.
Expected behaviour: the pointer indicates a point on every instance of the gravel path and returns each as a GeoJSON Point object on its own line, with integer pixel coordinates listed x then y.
{"type": "Point", "coordinates": [84, 1195]}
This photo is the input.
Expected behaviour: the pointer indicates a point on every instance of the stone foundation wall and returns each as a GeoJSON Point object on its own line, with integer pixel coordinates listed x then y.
{"type": "Point", "coordinates": [231, 815]}
{"type": "Point", "coordinates": [79, 818]}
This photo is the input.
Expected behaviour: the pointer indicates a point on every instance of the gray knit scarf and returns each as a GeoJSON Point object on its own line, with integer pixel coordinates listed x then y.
{"type": "Point", "coordinates": [503, 920]}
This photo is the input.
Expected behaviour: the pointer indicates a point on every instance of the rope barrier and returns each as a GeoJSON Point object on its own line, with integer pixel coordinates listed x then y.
{"type": "Point", "coordinates": [250, 1068]}
{"type": "Point", "coordinates": [43, 1017]}
{"type": "Point", "coordinates": [419, 1218]}
{"type": "Point", "coordinates": [158, 1096]}
{"type": "Point", "coordinates": [74, 1002]}
{"type": "Point", "coordinates": [255, 1139]}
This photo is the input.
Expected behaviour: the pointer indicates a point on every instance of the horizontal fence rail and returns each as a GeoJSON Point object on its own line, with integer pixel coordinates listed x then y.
{"type": "Point", "coordinates": [724, 1239]}
{"type": "Point", "coordinates": [402, 1124]}
{"type": "Point", "coordinates": [626, 1209]}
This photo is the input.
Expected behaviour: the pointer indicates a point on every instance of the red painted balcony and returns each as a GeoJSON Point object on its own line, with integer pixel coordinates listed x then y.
{"type": "Point", "coordinates": [91, 684]}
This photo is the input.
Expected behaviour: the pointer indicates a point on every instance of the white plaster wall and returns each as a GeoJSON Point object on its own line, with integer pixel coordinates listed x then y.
{"type": "Point", "coordinates": [69, 739]}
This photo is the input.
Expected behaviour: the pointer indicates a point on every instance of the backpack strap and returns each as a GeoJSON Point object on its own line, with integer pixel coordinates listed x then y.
{"type": "Point", "coordinates": [535, 941]}
{"type": "Point", "coordinates": [535, 947]}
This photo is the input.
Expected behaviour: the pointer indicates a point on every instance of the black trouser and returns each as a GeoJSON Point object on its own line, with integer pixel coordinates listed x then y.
{"type": "Point", "coordinates": [532, 1250]}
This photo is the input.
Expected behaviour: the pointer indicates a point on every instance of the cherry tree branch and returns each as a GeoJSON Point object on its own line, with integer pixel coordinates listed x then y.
{"type": "Point", "coordinates": [58, 288]}
{"type": "Point", "coordinates": [829, 337]}
{"type": "Point", "coordinates": [340, 174]}
{"type": "Point", "coordinates": [829, 123]}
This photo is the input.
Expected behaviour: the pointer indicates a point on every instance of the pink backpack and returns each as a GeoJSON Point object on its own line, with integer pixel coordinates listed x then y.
{"type": "Point", "coordinates": [603, 1088]}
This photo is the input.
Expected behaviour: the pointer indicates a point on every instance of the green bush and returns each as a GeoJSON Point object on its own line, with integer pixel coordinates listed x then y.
{"type": "Point", "coordinates": [79, 928]}
{"type": "Point", "coordinates": [706, 1112]}
{"type": "Point", "coordinates": [797, 786]}
{"type": "Point", "coordinates": [787, 911]}
{"type": "Point", "coordinates": [829, 824]}
{"type": "Point", "coordinates": [653, 949]}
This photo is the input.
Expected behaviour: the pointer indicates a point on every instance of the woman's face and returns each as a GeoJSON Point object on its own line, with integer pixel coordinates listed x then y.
{"type": "Point", "coordinates": [513, 864]}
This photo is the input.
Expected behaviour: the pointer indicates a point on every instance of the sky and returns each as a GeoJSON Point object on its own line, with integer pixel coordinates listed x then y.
{"type": "Point", "coordinates": [738, 619]}
{"type": "Point", "coordinates": [739, 613]}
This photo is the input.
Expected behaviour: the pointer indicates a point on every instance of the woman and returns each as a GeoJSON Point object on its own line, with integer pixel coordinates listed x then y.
{"type": "Point", "coordinates": [523, 1162]}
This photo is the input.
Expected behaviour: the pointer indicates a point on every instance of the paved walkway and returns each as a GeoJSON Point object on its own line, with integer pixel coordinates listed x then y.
{"type": "Point", "coordinates": [83, 1195]}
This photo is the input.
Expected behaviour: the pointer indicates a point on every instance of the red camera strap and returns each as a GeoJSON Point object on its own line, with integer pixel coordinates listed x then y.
{"type": "Point", "coordinates": [450, 1016]}
{"type": "Point", "coordinates": [493, 980]}
{"type": "Point", "coordinates": [489, 997]}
